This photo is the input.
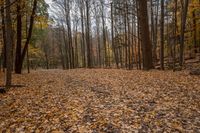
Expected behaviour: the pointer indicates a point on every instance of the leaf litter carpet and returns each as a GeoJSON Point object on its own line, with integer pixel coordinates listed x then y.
{"type": "Point", "coordinates": [101, 101]}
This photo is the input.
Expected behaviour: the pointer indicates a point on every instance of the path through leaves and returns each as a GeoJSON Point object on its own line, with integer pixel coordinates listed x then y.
{"type": "Point", "coordinates": [99, 100]}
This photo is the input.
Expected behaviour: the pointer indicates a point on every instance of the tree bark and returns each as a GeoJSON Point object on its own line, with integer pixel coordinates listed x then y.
{"type": "Point", "coordinates": [82, 34]}
{"type": "Point", "coordinates": [195, 30]}
{"type": "Point", "coordinates": [162, 36]}
{"type": "Point", "coordinates": [19, 39]}
{"type": "Point", "coordinates": [175, 36]}
{"type": "Point", "coordinates": [89, 61]}
{"type": "Point", "coordinates": [9, 43]}
{"type": "Point", "coordinates": [104, 35]}
{"type": "Point", "coordinates": [4, 37]}
{"type": "Point", "coordinates": [29, 36]}
{"type": "Point", "coordinates": [144, 29]}
{"type": "Point", "coordinates": [183, 21]}
{"type": "Point", "coordinates": [112, 34]}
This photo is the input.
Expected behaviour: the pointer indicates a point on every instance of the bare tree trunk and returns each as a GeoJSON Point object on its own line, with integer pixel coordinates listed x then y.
{"type": "Point", "coordinates": [175, 36]}
{"type": "Point", "coordinates": [108, 46]}
{"type": "Point", "coordinates": [76, 47]}
{"type": "Point", "coordinates": [4, 37]}
{"type": "Point", "coordinates": [126, 37]}
{"type": "Point", "coordinates": [61, 50]}
{"type": "Point", "coordinates": [112, 34]}
{"type": "Point", "coordinates": [19, 39]}
{"type": "Point", "coordinates": [138, 38]}
{"type": "Point", "coordinates": [9, 43]}
{"type": "Point", "coordinates": [155, 34]}
{"type": "Point", "coordinates": [183, 21]}
{"type": "Point", "coordinates": [195, 30]}
{"type": "Point", "coordinates": [134, 41]}
{"type": "Point", "coordinates": [27, 54]}
{"type": "Point", "coordinates": [104, 35]}
{"type": "Point", "coordinates": [152, 29]}
{"type": "Point", "coordinates": [144, 29]}
{"type": "Point", "coordinates": [97, 19]}
{"type": "Point", "coordinates": [162, 36]}
{"type": "Point", "coordinates": [69, 33]}
{"type": "Point", "coordinates": [129, 37]}
{"type": "Point", "coordinates": [29, 35]}
{"type": "Point", "coordinates": [83, 34]}
{"type": "Point", "coordinates": [66, 45]}
{"type": "Point", "coordinates": [89, 61]}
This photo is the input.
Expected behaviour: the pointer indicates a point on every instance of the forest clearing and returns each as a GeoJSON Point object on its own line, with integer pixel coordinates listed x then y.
{"type": "Point", "coordinates": [99, 66]}
{"type": "Point", "coordinates": [101, 100]}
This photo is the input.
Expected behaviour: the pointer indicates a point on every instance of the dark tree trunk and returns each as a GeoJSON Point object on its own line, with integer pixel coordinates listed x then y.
{"type": "Point", "coordinates": [29, 35]}
{"type": "Point", "coordinates": [4, 37]}
{"type": "Point", "coordinates": [183, 21]}
{"type": "Point", "coordinates": [27, 53]}
{"type": "Point", "coordinates": [144, 29]}
{"type": "Point", "coordinates": [9, 44]}
{"type": "Point", "coordinates": [19, 39]}
{"type": "Point", "coordinates": [162, 36]}
{"type": "Point", "coordinates": [126, 37]}
{"type": "Point", "coordinates": [155, 34]}
{"type": "Point", "coordinates": [175, 36]}
{"type": "Point", "coordinates": [89, 61]}
{"type": "Point", "coordinates": [138, 37]}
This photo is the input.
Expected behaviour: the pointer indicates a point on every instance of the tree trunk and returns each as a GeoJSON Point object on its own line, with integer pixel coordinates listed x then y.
{"type": "Point", "coordinates": [195, 31]}
{"type": "Point", "coordinates": [183, 21]}
{"type": "Point", "coordinates": [162, 36]}
{"type": "Point", "coordinates": [19, 39]}
{"type": "Point", "coordinates": [69, 33]}
{"type": "Point", "coordinates": [29, 35]}
{"type": "Point", "coordinates": [126, 37]}
{"type": "Point", "coordinates": [76, 47]}
{"type": "Point", "coordinates": [9, 43]}
{"type": "Point", "coordinates": [4, 37]}
{"type": "Point", "coordinates": [155, 35]}
{"type": "Point", "coordinates": [144, 29]}
{"type": "Point", "coordinates": [112, 34]}
{"type": "Point", "coordinates": [66, 45]}
{"type": "Point", "coordinates": [104, 37]}
{"type": "Point", "coordinates": [83, 34]}
{"type": "Point", "coordinates": [89, 61]}
{"type": "Point", "coordinates": [175, 36]}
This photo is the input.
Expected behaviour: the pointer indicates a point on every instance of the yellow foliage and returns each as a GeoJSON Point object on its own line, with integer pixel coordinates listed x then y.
{"type": "Point", "coordinates": [41, 22]}
{"type": "Point", "coordinates": [35, 52]}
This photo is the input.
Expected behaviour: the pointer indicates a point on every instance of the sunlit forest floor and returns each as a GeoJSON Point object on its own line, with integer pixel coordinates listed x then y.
{"type": "Point", "coordinates": [101, 100]}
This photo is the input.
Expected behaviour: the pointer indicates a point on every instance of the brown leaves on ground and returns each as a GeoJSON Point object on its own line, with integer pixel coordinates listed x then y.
{"type": "Point", "coordinates": [98, 100]}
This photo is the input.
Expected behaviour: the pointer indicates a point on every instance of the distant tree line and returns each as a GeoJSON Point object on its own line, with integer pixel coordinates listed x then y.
{"type": "Point", "coordinates": [141, 34]}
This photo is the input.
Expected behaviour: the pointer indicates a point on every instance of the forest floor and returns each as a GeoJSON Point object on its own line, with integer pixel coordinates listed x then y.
{"type": "Point", "coordinates": [101, 100]}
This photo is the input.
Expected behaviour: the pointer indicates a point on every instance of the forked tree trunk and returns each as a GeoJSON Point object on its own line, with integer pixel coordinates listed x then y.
{"type": "Point", "coordinates": [19, 71]}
